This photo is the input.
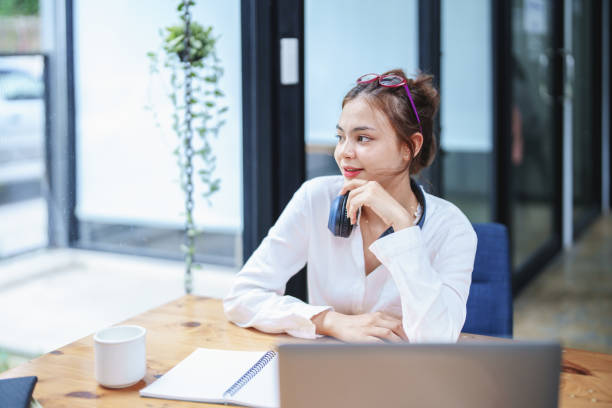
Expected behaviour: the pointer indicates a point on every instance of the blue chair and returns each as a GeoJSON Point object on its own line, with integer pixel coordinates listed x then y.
{"type": "Point", "coordinates": [489, 305]}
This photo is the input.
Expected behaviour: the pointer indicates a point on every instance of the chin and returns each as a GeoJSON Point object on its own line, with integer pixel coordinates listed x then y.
{"type": "Point", "coordinates": [359, 177]}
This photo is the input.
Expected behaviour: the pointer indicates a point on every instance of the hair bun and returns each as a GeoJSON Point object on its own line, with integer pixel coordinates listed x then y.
{"type": "Point", "coordinates": [422, 85]}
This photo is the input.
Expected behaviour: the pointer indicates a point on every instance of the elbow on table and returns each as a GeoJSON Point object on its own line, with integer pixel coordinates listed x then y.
{"type": "Point", "coordinates": [238, 303]}
{"type": "Point", "coordinates": [233, 310]}
{"type": "Point", "coordinates": [439, 336]}
{"type": "Point", "coordinates": [445, 330]}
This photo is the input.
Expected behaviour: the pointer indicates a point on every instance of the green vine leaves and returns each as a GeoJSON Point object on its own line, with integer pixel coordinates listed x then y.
{"type": "Point", "coordinates": [205, 119]}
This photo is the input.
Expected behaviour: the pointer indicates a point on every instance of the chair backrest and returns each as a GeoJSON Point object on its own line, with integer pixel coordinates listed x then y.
{"type": "Point", "coordinates": [489, 305]}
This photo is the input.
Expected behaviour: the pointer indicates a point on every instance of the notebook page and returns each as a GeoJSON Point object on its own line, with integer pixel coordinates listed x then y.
{"type": "Point", "coordinates": [262, 391]}
{"type": "Point", "coordinates": [203, 376]}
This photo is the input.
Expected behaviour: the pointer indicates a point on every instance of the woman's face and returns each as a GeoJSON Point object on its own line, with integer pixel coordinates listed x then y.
{"type": "Point", "coordinates": [368, 147]}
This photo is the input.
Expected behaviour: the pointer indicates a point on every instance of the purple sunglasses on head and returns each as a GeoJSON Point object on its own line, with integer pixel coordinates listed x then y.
{"type": "Point", "coordinates": [391, 81]}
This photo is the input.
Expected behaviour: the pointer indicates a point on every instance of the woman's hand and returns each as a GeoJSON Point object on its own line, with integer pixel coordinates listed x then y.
{"type": "Point", "coordinates": [369, 327]}
{"type": "Point", "coordinates": [372, 195]}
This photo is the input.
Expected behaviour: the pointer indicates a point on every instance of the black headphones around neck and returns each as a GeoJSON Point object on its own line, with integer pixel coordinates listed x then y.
{"type": "Point", "coordinates": [340, 224]}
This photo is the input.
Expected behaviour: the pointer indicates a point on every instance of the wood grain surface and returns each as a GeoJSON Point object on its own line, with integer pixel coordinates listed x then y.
{"type": "Point", "coordinates": [66, 376]}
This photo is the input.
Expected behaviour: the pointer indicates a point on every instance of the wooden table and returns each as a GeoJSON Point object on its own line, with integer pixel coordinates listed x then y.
{"type": "Point", "coordinates": [66, 376]}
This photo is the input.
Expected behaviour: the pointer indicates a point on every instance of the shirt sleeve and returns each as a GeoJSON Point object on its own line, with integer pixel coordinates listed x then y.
{"type": "Point", "coordinates": [434, 292]}
{"type": "Point", "coordinates": [256, 298]}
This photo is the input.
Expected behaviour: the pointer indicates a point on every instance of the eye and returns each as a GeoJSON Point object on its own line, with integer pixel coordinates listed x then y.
{"type": "Point", "coordinates": [339, 137]}
{"type": "Point", "coordinates": [362, 138]}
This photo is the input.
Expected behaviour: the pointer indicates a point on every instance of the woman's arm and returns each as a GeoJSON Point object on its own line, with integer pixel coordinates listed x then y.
{"type": "Point", "coordinates": [433, 293]}
{"type": "Point", "coordinates": [256, 298]}
{"type": "Point", "coordinates": [368, 327]}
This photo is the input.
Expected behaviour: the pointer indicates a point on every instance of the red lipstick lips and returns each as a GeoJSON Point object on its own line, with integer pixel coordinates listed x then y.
{"type": "Point", "coordinates": [351, 172]}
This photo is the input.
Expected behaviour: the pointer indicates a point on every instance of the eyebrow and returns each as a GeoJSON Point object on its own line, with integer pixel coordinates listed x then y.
{"type": "Point", "coordinates": [357, 129]}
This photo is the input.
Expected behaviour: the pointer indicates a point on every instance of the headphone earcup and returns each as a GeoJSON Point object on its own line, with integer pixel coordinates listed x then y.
{"type": "Point", "coordinates": [338, 223]}
{"type": "Point", "coordinates": [335, 211]}
{"type": "Point", "coordinates": [345, 223]}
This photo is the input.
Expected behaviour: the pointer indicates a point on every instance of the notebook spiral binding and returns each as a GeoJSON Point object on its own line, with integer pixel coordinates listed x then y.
{"type": "Point", "coordinates": [252, 372]}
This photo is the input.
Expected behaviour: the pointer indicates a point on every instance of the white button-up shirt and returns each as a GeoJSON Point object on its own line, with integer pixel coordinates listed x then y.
{"type": "Point", "coordinates": [424, 276]}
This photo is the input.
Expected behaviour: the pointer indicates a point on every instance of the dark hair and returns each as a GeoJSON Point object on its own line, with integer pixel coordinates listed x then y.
{"type": "Point", "coordinates": [394, 103]}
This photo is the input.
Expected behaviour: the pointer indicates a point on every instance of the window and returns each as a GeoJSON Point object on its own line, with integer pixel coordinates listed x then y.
{"type": "Point", "coordinates": [128, 194]}
{"type": "Point", "coordinates": [23, 206]}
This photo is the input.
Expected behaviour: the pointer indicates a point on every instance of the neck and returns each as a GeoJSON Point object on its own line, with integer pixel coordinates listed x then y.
{"type": "Point", "coordinates": [399, 188]}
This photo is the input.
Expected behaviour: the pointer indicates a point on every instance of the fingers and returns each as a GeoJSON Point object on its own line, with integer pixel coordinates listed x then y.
{"type": "Point", "coordinates": [373, 196]}
{"type": "Point", "coordinates": [370, 327]}
{"type": "Point", "coordinates": [352, 184]}
{"type": "Point", "coordinates": [385, 334]}
{"type": "Point", "coordinates": [391, 323]}
{"type": "Point", "coordinates": [355, 200]}
{"type": "Point", "coordinates": [402, 333]}
{"type": "Point", "coordinates": [354, 187]}
{"type": "Point", "coordinates": [373, 339]}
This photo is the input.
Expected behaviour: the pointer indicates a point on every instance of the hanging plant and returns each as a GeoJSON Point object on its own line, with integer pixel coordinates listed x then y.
{"type": "Point", "coordinates": [188, 52]}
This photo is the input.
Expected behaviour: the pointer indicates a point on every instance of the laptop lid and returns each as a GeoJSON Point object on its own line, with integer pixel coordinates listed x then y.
{"type": "Point", "coordinates": [475, 375]}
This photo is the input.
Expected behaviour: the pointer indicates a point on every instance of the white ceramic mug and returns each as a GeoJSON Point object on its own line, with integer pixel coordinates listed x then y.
{"type": "Point", "coordinates": [120, 356]}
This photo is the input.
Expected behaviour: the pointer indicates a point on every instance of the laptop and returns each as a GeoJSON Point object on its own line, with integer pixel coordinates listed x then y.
{"type": "Point", "coordinates": [475, 375]}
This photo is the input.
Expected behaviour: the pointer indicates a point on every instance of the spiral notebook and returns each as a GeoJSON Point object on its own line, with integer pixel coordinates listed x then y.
{"type": "Point", "coordinates": [248, 378]}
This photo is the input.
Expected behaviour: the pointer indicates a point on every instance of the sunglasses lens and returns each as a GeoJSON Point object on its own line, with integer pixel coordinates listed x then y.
{"type": "Point", "coordinates": [367, 78]}
{"type": "Point", "coordinates": [391, 80]}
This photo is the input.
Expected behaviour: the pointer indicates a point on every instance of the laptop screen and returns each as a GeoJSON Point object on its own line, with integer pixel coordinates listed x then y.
{"type": "Point", "coordinates": [475, 375]}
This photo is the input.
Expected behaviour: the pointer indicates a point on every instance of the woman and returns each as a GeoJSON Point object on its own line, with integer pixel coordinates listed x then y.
{"type": "Point", "coordinates": [404, 272]}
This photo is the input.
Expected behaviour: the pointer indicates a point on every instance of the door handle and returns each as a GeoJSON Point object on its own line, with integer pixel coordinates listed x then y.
{"type": "Point", "coordinates": [289, 61]}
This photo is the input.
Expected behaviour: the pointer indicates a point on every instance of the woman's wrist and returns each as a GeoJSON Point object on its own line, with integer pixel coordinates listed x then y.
{"type": "Point", "coordinates": [403, 219]}
{"type": "Point", "coordinates": [324, 322]}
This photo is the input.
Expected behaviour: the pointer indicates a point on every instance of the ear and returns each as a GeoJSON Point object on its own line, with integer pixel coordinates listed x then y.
{"type": "Point", "coordinates": [417, 140]}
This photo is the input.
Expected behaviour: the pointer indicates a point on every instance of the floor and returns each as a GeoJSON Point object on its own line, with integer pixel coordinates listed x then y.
{"type": "Point", "coordinates": [572, 299]}
{"type": "Point", "coordinates": [52, 297]}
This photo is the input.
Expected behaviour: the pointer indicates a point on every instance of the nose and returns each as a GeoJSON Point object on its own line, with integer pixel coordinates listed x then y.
{"type": "Point", "coordinates": [346, 148]}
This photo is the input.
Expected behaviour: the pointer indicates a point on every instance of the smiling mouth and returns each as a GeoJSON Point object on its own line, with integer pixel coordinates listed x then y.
{"type": "Point", "coordinates": [350, 171]}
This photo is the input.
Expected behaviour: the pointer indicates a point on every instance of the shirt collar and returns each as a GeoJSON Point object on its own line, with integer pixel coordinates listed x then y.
{"type": "Point", "coordinates": [418, 192]}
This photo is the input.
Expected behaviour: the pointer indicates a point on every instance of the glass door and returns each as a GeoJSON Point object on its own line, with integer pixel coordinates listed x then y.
{"type": "Point", "coordinates": [466, 138]}
{"type": "Point", "coordinates": [535, 136]}
{"type": "Point", "coordinates": [581, 89]}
